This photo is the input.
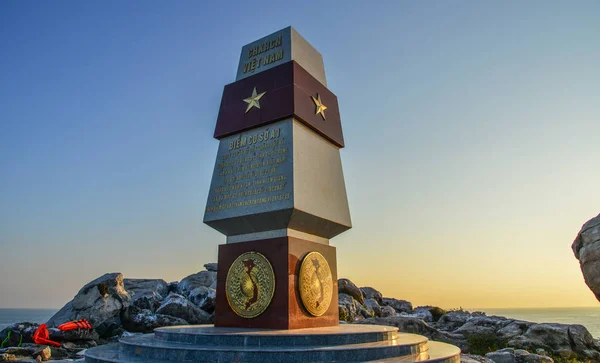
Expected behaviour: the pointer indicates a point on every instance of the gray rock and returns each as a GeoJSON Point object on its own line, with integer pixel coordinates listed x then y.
{"type": "Point", "coordinates": [387, 311]}
{"type": "Point", "coordinates": [146, 321]}
{"type": "Point", "coordinates": [101, 302]}
{"type": "Point", "coordinates": [349, 308]}
{"type": "Point", "coordinates": [561, 339]}
{"type": "Point", "coordinates": [401, 306]}
{"type": "Point", "coordinates": [146, 294]}
{"type": "Point", "coordinates": [204, 297]}
{"type": "Point", "coordinates": [19, 332]}
{"type": "Point", "coordinates": [202, 278]}
{"type": "Point", "coordinates": [472, 358]}
{"type": "Point", "coordinates": [514, 329]}
{"type": "Point", "coordinates": [76, 335]}
{"type": "Point", "coordinates": [172, 286]}
{"type": "Point", "coordinates": [44, 352]}
{"type": "Point", "coordinates": [423, 313]}
{"type": "Point", "coordinates": [501, 357]}
{"type": "Point", "coordinates": [586, 248]}
{"type": "Point", "coordinates": [373, 307]}
{"type": "Point", "coordinates": [211, 267]}
{"type": "Point", "coordinates": [452, 320]}
{"type": "Point", "coordinates": [415, 326]}
{"type": "Point", "coordinates": [347, 287]}
{"type": "Point", "coordinates": [371, 293]}
{"type": "Point", "coordinates": [483, 325]}
{"type": "Point", "coordinates": [180, 307]}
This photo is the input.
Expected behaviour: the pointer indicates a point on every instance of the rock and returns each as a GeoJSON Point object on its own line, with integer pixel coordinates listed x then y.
{"type": "Point", "coordinates": [100, 302]}
{"type": "Point", "coordinates": [347, 287]}
{"type": "Point", "coordinates": [415, 326]}
{"type": "Point", "coordinates": [423, 313]}
{"type": "Point", "coordinates": [349, 309]}
{"type": "Point", "coordinates": [482, 325]}
{"type": "Point", "coordinates": [514, 329]}
{"type": "Point", "coordinates": [172, 286]}
{"type": "Point", "coordinates": [146, 294]}
{"type": "Point", "coordinates": [387, 311]}
{"type": "Point", "coordinates": [586, 248]}
{"type": "Point", "coordinates": [202, 278]}
{"type": "Point", "coordinates": [371, 293]}
{"type": "Point", "coordinates": [373, 307]}
{"type": "Point", "coordinates": [5, 357]}
{"type": "Point", "coordinates": [73, 335]}
{"type": "Point", "coordinates": [401, 306]}
{"type": "Point", "coordinates": [472, 358]}
{"type": "Point", "coordinates": [568, 341]}
{"type": "Point", "coordinates": [180, 307]}
{"type": "Point", "coordinates": [509, 355]}
{"type": "Point", "coordinates": [452, 320]}
{"type": "Point", "coordinates": [502, 357]}
{"type": "Point", "coordinates": [19, 332]}
{"type": "Point", "coordinates": [204, 297]}
{"type": "Point", "coordinates": [211, 267]}
{"type": "Point", "coordinates": [44, 352]}
{"type": "Point", "coordinates": [146, 321]}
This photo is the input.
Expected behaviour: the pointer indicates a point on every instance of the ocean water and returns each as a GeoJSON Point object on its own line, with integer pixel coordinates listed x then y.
{"type": "Point", "coordinates": [588, 317]}
{"type": "Point", "coordinates": [11, 316]}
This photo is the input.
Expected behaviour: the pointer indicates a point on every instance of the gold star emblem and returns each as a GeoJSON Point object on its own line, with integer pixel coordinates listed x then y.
{"type": "Point", "coordinates": [252, 101]}
{"type": "Point", "coordinates": [320, 106]}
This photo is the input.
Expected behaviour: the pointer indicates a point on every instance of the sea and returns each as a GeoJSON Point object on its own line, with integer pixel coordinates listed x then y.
{"type": "Point", "coordinates": [588, 317]}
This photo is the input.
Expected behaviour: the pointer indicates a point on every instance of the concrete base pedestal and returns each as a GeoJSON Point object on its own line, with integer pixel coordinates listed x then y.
{"type": "Point", "coordinates": [343, 343]}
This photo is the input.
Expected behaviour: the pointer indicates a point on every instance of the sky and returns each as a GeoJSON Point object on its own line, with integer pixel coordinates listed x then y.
{"type": "Point", "coordinates": [472, 141]}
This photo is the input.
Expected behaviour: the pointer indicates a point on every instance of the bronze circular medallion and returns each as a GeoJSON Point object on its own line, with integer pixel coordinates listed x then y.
{"type": "Point", "coordinates": [250, 284]}
{"type": "Point", "coordinates": [316, 284]}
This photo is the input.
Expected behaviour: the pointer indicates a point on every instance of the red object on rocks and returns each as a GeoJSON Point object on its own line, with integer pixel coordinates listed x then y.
{"type": "Point", "coordinates": [72, 325]}
{"type": "Point", "coordinates": [42, 337]}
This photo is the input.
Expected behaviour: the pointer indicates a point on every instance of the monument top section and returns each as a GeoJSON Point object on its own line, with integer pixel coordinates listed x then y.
{"type": "Point", "coordinates": [277, 48]}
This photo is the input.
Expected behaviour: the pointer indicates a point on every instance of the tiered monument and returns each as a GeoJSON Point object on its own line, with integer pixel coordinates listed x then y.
{"type": "Point", "coordinates": [277, 189]}
{"type": "Point", "coordinates": [278, 195]}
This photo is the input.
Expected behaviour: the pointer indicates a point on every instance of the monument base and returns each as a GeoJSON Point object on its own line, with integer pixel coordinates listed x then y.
{"type": "Point", "coordinates": [343, 343]}
{"type": "Point", "coordinates": [286, 310]}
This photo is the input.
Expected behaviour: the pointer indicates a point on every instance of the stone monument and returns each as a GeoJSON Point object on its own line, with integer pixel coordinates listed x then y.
{"type": "Point", "coordinates": [277, 190]}
{"type": "Point", "coordinates": [278, 195]}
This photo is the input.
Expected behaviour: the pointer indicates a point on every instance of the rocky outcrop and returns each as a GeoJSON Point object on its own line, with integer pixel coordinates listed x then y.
{"type": "Point", "coordinates": [146, 321]}
{"type": "Point", "coordinates": [178, 306]}
{"type": "Point", "coordinates": [401, 306]}
{"type": "Point", "coordinates": [586, 248]}
{"type": "Point", "coordinates": [509, 355]}
{"type": "Point", "coordinates": [347, 287]}
{"type": "Point", "coordinates": [202, 278]}
{"type": "Point", "coordinates": [101, 302]}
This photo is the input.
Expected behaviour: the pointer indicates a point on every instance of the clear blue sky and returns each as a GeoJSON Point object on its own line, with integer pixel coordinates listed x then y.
{"type": "Point", "coordinates": [472, 133]}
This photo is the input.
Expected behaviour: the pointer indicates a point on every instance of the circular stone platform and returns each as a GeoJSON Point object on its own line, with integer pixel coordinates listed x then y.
{"type": "Point", "coordinates": [344, 343]}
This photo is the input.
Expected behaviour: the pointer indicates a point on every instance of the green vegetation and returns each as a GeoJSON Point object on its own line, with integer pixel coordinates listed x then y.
{"type": "Point", "coordinates": [481, 344]}
{"type": "Point", "coordinates": [437, 313]}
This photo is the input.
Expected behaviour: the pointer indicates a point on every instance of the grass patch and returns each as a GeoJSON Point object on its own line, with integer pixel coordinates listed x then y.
{"type": "Point", "coordinates": [481, 344]}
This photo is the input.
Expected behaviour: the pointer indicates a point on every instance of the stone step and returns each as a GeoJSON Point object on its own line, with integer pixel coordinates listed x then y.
{"type": "Point", "coordinates": [207, 335]}
{"type": "Point", "coordinates": [437, 353]}
{"type": "Point", "coordinates": [147, 347]}
{"type": "Point", "coordinates": [346, 343]}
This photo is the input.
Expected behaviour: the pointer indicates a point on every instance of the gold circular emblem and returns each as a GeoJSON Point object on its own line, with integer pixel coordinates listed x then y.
{"type": "Point", "coordinates": [316, 285]}
{"type": "Point", "coordinates": [250, 284]}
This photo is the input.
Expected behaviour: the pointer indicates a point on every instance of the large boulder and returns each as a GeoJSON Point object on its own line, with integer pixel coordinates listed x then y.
{"type": "Point", "coordinates": [146, 294]}
{"type": "Point", "coordinates": [510, 355]}
{"type": "Point", "coordinates": [349, 308]}
{"type": "Point", "coordinates": [567, 341]}
{"type": "Point", "coordinates": [483, 325]}
{"type": "Point", "coordinates": [100, 301]}
{"type": "Point", "coordinates": [586, 248]}
{"type": "Point", "coordinates": [407, 324]}
{"type": "Point", "coordinates": [146, 321]}
{"type": "Point", "coordinates": [191, 282]}
{"type": "Point", "coordinates": [180, 307]}
{"type": "Point", "coordinates": [348, 287]}
{"type": "Point", "coordinates": [371, 293]}
{"type": "Point", "coordinates": [373, 307]}
{"type": "Point", "coordinates": [204, 297]}
{"type": "Point", "coordinates": [401, 306]}
{"type": "Point", "coordinates": [452, 320]}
